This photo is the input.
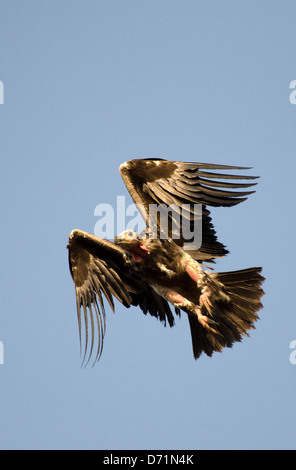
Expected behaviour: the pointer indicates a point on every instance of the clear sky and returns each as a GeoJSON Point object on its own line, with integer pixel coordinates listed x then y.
{"type": "Point", "coordinates": [88, 85]}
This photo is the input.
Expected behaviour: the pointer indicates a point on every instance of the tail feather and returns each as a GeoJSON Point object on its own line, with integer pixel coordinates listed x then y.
{"type": "Point", "coordinates": [234, 312]}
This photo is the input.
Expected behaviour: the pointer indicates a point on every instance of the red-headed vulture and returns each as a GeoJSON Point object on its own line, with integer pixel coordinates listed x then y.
{"type": "Point", "coordinates": [161, 271]}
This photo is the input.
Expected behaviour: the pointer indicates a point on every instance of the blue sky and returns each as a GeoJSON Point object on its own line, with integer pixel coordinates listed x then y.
{"type": "Point", "coordinates": [87, 86]}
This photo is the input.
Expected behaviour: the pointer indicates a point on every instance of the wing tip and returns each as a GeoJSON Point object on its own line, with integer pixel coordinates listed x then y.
{"type": "Point", "coordinates": [75, 233]}
{"type": "Point", "coordinates": [123, 166]}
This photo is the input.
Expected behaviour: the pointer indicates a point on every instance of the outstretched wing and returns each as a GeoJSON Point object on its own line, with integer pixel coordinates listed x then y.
{"type": "Point", "coordinates": [182, 184]}
{"type": "Point", "coordinates": [101, 269]}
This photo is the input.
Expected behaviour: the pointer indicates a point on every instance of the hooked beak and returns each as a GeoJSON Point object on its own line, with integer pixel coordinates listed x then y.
{"type": "Point", "coordinates": [133, 246]}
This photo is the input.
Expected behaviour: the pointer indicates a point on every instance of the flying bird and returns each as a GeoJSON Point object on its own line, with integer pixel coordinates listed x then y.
{"type": "Point", "coordinates": [162, 271]}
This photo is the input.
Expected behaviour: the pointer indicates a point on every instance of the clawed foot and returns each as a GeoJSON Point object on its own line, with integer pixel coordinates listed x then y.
{"type": "Point", "coordinates": [204, 301]}
{"type": "Point", "coordinates": [206, 322]}
{"type": "Point", "coordinates": [181, 302]}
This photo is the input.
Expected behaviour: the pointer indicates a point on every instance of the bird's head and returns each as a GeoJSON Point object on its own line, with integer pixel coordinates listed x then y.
{"type": "Point", "coordinates": [130, 242]}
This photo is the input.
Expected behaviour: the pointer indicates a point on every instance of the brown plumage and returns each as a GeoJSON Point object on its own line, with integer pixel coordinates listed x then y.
{"type": "Point", "coordinates": [156, 272]}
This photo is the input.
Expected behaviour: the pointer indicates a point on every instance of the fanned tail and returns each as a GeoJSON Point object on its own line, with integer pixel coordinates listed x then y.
{"type": "Point", "coordinates": [234, 311]}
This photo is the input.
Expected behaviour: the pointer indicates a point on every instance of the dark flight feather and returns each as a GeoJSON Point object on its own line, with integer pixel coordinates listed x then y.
{"type": "Point", "coordinates": [156, 181]}
{"type": "Point", "coordinates": [100, 269]}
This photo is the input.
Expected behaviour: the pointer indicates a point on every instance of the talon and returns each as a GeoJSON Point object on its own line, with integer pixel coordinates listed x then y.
{"type": "Point", "coordinates": [204, 301]}
{"type": "Point", "coordinates": [206, 321]}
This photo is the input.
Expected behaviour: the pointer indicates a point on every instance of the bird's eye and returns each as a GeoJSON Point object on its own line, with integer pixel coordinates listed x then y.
{"type": "Point", "coordinates": [131, 234]}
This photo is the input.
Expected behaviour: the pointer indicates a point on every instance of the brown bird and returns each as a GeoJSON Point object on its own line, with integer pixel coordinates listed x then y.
{"type": "Point", "coordinates": [164, 266]}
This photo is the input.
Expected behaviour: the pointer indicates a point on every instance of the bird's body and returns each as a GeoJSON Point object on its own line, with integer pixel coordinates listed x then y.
{"type": "Point", "coordinates": [155, 272]}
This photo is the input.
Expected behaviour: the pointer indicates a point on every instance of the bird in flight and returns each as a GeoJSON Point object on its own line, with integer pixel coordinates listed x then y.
{"type": "Point", "coordinates": [163, 270]}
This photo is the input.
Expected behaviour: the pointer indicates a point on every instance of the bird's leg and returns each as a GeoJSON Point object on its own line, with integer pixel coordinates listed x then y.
{"type": "Point", "coordinates": [205, 321]}
{"type": "Point", "coordinates": [193, 270]}
{"type": "Point", "coordinates": [201, 278]}
{"type": "Point", "coordinates": [204, 301]}
{"type": "Point", "coordinates": [181, 302]}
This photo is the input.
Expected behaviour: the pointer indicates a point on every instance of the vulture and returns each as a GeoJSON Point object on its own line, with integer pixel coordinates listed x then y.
{"type": "Point", "coordinates": [162, 270]}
